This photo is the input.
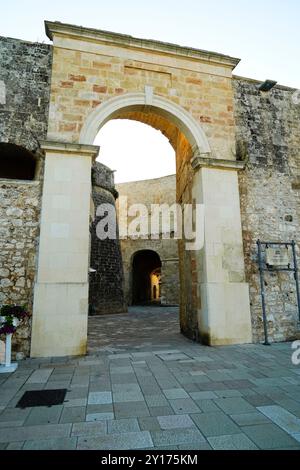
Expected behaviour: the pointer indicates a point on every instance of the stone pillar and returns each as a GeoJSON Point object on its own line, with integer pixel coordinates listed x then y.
{"type": "Point", "coordinates": [60, 309]}
{"type": "Point", "coordinates": [224, 307]}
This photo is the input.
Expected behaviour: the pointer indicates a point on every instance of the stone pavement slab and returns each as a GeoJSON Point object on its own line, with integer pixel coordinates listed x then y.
{"type": "Point", "coordinates": [131, 410]}
{"type": "Point", "coordinates": [207, 406]}
{"type": "Point", "coordinates": [156, 400]}
{"type": "Point", "coordinates": [215, 424]}
{"type": "Point", "coordinates": [175, 422]}
{"type": "Point", "coordinates": [125, 441]}
{"type": "Point", "coordinates": [283, 418]}
{"type": "Point", "coordinates": [15, 446]}
{"type": "Point", "coordinates": [269, 436]}
{"type": "Point", "coordinates": [51, 444]}
{"type": "Point", "coordinates": [228, 393]}
{"type": "Point", "coordinates": [123, 397]}
{"type": "Point", "coordinates": [259, 400]}
{"type": "Point", "coordinates": [184, 406]}
{"type": "Point", "coordinates": [13, 417]}
{"type": "Point", "coordinates": [175, 393]}
{"type": "Point", "coordinates": [44, 415]}
{"type": "Point", "coordinates": [108, 407]}
{"type": "Point", "coordinates": [34, 432]}
{"type": "Point", "coordinates": [247, 419]}
{"type": "Point", "coordinates": [126, 387]}
{"type": "Point", "coordinates": [234, 405]}
{"type": "Point", "coordinates": [73, 414]}
{"type": "Point", "coordinates": [75, 402]}
{"type": "Point", "coordinates": [232, 442]}
{"type": "Point", "coordinates": [198, 446]}
{"type": "Point", "coordinates": [99, 416]}
{"type": "Point", "coordinates": [177, 437]}
{"type": "Point", "coordinates": [119, 426]}
{"type": "Point", "coordinates": [203, 395]}
{"type": "Point", "coordinates": [40, 376]}
{"type": "Point", "coordinates": [149, 423]}
{"type": "Point", "coordinates": [88, 429]}
{"type": "Point", "coordinates": [161, 410]}
{"type": "Point", "coordinates": [99, 398]}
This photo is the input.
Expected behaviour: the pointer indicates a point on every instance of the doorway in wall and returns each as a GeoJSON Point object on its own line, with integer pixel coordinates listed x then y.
{"type": "Point", "coordinates": [146, 271]}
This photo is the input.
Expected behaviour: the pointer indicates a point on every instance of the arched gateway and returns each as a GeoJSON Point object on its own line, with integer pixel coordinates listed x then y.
{"type": "Point", "coordinates": [185, 93]}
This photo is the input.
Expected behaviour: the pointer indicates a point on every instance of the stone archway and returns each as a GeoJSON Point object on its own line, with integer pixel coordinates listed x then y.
{"type": "Point", "coordinates": [187, 94]}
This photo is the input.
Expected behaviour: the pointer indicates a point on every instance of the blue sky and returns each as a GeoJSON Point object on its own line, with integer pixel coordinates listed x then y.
{"type": "Point", "coordinates": [264, 34]}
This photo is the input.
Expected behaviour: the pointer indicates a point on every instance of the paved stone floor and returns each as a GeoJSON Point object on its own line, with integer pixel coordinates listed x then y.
{"type": "Point", "coordinates": [144, 386]}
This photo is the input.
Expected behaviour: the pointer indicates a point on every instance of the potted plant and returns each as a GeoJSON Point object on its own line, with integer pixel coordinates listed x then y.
{"type": "Point", "coordinates": [10, 318]}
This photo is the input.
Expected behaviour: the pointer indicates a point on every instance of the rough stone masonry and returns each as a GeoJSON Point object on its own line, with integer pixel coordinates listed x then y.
{"type": "Point", "coordinates": [267, 128]}
{"type": "Point", "coordinates": [25, 71]}
{"type": "Point", "coordinates": [268, 136]}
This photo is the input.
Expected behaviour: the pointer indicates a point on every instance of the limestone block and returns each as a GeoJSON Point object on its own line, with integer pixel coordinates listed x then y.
{"type": "Point", "coordinates": [225, 318]}
{"type": "Point", "coordinates": [61, 311]}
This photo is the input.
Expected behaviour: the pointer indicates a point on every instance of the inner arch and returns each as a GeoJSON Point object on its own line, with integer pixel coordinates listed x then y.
{"type": "Point", "coordinates": [162, 113]}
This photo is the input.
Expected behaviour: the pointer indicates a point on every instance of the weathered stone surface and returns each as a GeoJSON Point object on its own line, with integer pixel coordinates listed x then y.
{"type": "Point", "coordinates": [106, 293]}
{"type": "Point", "coordinates": [18, 267]}
{"type": "Point", "coordinates": [25, 71]}
{"type": "Point", "coordinates": [268, 136]}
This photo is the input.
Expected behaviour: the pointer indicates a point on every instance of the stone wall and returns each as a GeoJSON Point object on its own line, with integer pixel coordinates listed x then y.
{"type": "Point", "coordinates": [25, 70]}
{"type": "Point", "coordinates": [147, 192]}
{"type": "Point", "coordinates": [19, 230]}
{"type": "Point", "coordinates": [268, 135]}
{"type": "Point", "coordinates": [106, 283]}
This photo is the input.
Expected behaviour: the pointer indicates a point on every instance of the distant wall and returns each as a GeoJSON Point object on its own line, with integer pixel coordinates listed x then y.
{"type": "Point", "coordinates": [154, 191]}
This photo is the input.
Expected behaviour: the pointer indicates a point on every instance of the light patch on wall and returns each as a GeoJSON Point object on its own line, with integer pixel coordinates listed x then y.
{"type": "Point", "coordinates": [83, 306]}
{"type": "Point", "coordinates": [2, 352]}
{"type": "Point", "coordinates": [2, 92]}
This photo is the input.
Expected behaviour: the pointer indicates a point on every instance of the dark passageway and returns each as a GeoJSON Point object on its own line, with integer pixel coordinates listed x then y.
{"type": "Point", "coordinates": [16, 162]}
{"type": "Point", "coordinates": [146, 265]}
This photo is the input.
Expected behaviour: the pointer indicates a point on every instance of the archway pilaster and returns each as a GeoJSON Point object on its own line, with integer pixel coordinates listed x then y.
{"type": "Point", "coordinates": [59, 326]}
{"type": "Point", "coordinates": [223, 309]}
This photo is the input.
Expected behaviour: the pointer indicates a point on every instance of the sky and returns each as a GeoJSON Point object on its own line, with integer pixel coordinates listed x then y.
{"type": "Point", "coordinates": [264, 34]}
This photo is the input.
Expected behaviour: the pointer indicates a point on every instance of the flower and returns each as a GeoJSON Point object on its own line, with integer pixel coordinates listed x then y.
{"type": "Point", "coordinates": [10, 318]}
{"type": "Point", "coordinates": [14, 310]}
{"type": "Point", "coordinates": [7, 330]}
